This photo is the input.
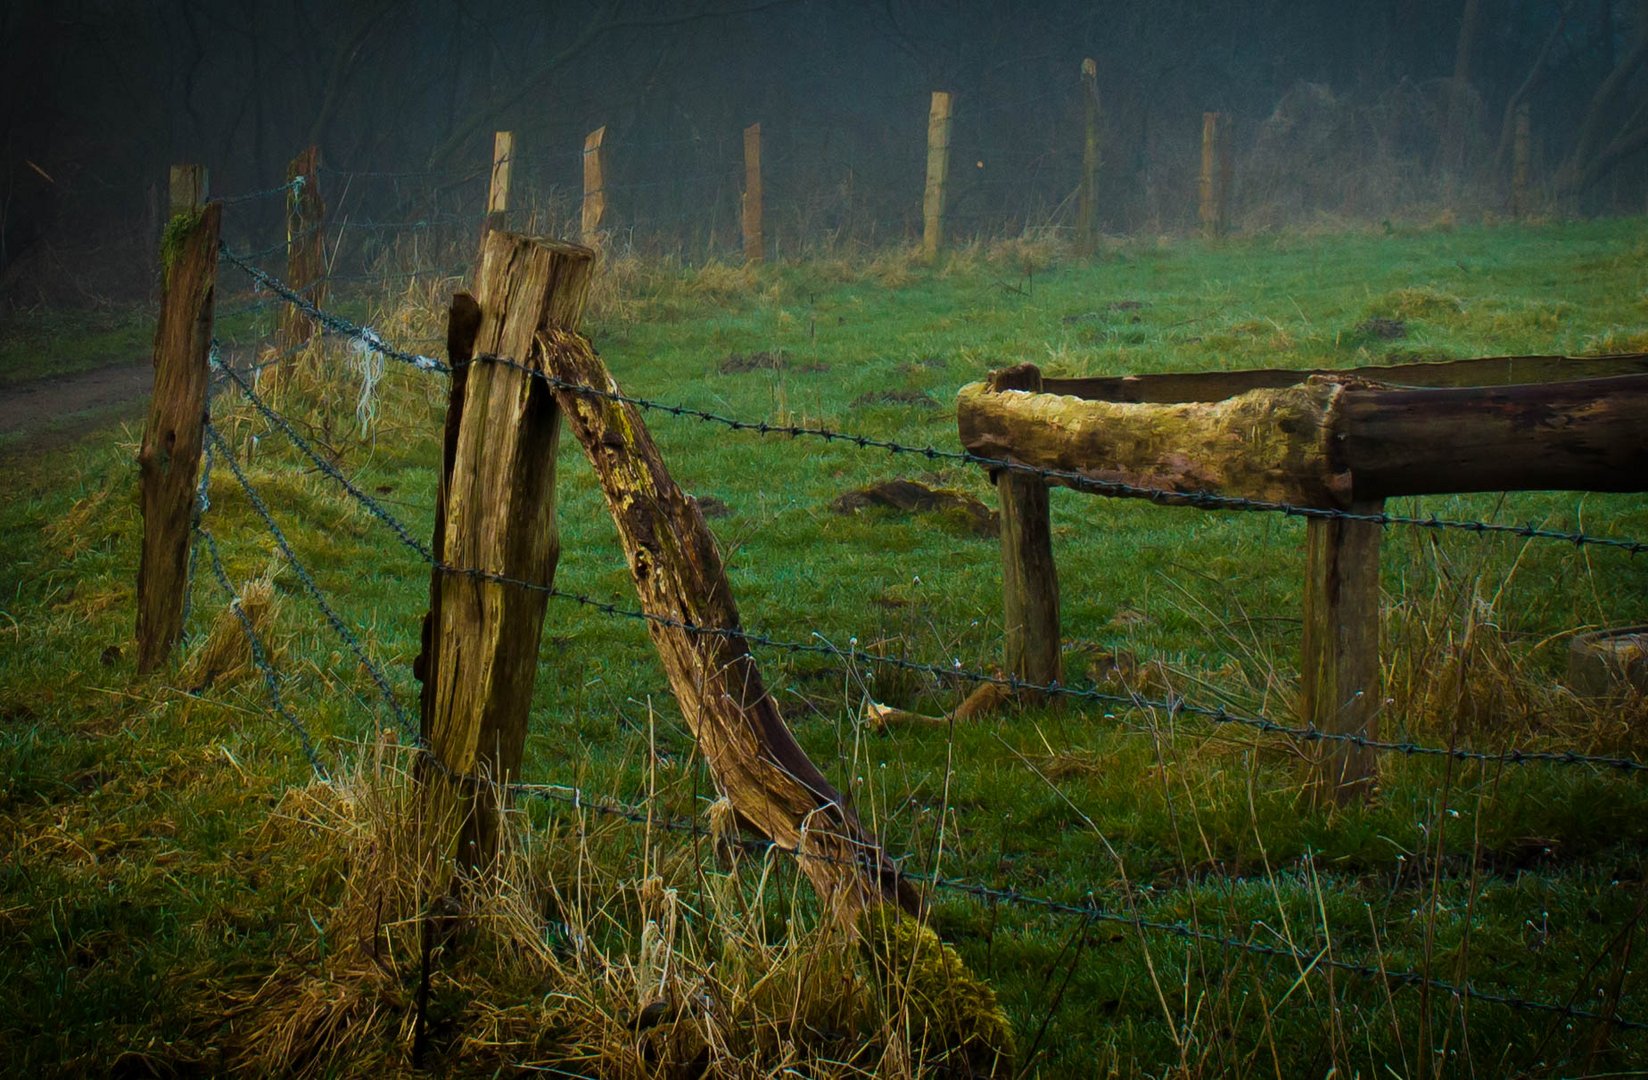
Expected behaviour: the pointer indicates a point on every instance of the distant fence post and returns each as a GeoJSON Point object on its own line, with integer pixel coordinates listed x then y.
{"type": "Point", "coordinates": [169, 460]}
{"type": "Point", "coordinates": [305, 254]}
{"type": "Point", "coordinates": [1520, 158]}
{"type": "Point", "coordinates": [938, 174]}
{"type": "Point", "coordinates": [1214, 187]}
{"type": "Point", "coordinates": [1340, 680]}
{"type": "Point", "coordinates": [1030, 579]}
{"type": "Point", "coordinates": [595, 186]}
{"type": "Point", "coordinates": [754, 244]}
{"type": "Point", "coordinates": [495, 517]}
{"type": "Point", "coordinates": [1088, 201]}
{"type": "Point", "coordinates": [497, 192]}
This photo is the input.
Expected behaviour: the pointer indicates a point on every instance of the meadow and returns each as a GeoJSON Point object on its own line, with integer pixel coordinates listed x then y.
{"type": "Point", "coordinates": [180, 894]}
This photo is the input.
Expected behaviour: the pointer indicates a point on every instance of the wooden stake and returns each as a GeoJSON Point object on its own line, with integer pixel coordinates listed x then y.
{"type": "Point", "coordinates": [1088, 200]}
{"type": "Point", "coordinates": [497, 193]}
{"type": "Point", "coordinates": [1030, 580]}
{"type": "Point", "coordinates": [495, 516]}
{"type": "Point", "coordinates": [1214, 187]}
{"type": "Point", "coordinates": [754, 247]}
{"type": "Point", "coordinates": [1340, 685]}
{"type": "Point", "coordinates": [187, 190]}
{"type": "Point", "coordinates": [1520, 157]}
{"type": "Point", "coordinates": [595, 185]}
{"type": "Point", "coordinates": [938, 173]}
{"type": "Point", "coordinates": [679, 577]}
{"type": "Point", "coordinates": [305, 255]}
{"type": "Point", "coordinates": [169, 460]}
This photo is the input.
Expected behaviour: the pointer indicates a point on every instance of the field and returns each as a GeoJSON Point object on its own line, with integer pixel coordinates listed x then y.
{"type": "Point", "coordinates": [180, 894]}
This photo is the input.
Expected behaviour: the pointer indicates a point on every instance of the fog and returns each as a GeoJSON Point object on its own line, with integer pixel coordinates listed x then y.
{"type": "Point", "coordinates": [1361, 112]}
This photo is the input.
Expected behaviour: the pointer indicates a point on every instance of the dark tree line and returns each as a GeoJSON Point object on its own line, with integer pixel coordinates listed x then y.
{"type": "Point", "coordinates": [1346, 108]}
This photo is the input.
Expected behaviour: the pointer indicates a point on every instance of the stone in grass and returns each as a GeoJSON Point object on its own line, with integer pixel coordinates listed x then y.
{"type": "Point", "coordinates": [912, 496]}
{"type": "Point", "coordinates": [955, 1021]}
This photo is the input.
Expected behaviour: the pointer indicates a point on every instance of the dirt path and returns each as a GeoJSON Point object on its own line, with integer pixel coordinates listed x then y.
{"type": "Point", "coordinates": [45, 413]}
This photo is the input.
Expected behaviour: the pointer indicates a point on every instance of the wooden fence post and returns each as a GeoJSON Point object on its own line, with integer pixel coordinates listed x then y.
{"type": "Point", "coordinates": [938, 174]}
{"type": "Point", "coordinates": [497, 192]}
{"type": "Point", "coordinates": [1214, 187]}
{"type": "Point", "coordinates": [1088, 200]}
{"type": "Point", "coordinates": [169, 460]}
{"type": "Point", "coordinates": [595, 186]}
{"type": "Point", "coordinates": [1030, 579]}
{"type": "Point", "coordinates": [1340, 684]}
{"type": "Point", "coordinates": [495, 516]}
{"type": "Point", "coordinates": [754, 246]}
{"type": "Point", "coordinates": [1520, 157]}
{"type": "Point", "coordinates": [305, 254]}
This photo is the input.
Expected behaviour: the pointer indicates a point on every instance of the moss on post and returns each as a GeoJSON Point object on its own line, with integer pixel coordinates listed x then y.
{"type": "Point", "coordinates": [952, 1012]}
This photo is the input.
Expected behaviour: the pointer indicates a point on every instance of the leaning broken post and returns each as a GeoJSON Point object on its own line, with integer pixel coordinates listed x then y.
{"type": "Point", "coordinates": [693, 621]}
{"type": "Point", "coordinates": [169, 460]}
{"type": "Point", "coordinates": [495, 534]}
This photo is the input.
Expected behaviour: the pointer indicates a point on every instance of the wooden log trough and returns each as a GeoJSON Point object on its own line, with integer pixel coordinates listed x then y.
{"type": "Point", "coordinates": [1329, 439]}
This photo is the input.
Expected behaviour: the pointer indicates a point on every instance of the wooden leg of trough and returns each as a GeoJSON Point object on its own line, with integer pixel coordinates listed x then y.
{"type": "Point", "coordinates": [1340, 686]}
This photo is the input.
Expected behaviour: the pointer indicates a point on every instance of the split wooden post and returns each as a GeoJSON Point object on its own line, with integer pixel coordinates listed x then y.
{"type": "Point", "coordinates": [754, 245]}
{"type": "Point", "coordinates": [305, 255]}
{"type": "Point", "coordinates": [1088, 200]}
{"type": "Point", "coordinates": [595, 186]}
{"type": "Point", "coordinates": [1030, 580]}
{"type": "Point", "coordinates": [1520, 158]}
{"type": "Point", "coordinates": [169, 460]}
{"type": "Point", "coordinates": [938, 174]}
{"type": "Point", "coordinates": [497, 192]}
{"type": "Point", "coordinates": [495, 520]}
{"type": "Point", "coordinates": [1340, 684]}
{"type": "Point", "coordinates": [1214, 188]}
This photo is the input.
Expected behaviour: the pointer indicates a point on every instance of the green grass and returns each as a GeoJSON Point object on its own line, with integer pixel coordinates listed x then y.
{"type": "Point", "coordinates": [143, 877]}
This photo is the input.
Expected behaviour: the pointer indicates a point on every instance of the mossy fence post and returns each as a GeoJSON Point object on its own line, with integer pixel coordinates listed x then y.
{"type": "Point", "coordinates": [1213, 188]}
{"type": "Point", "coordinates": [497, 191]}
{"type": "Point", "coordinates": [595, 187]}
{"type": "Point", "coordinates": [938, 175]}
{"type": "Point", "coordinates": [754, 243]}
{"type": "Point", "coordinates": [495, 518]}
{"type": "Point", "coordinates": [173, 436]}
{"type": "Point", "coordinates": [305, 255]}
{"type": "Point", "coordinates": [1088, 200]}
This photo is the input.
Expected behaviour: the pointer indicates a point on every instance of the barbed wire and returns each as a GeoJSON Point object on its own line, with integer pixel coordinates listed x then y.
{"type": "Point", "coordinates": [1218, 715]}
{"type": "Point", "coordinates": [260, 656]}
{"type": "Point", "coordinates": [294, 186]}
{"type": "Point", "coordinates": [332, 618]}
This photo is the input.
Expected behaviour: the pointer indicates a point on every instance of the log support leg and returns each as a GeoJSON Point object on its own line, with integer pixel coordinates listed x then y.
{"type": "Point", "coordinates": [1340, 690]}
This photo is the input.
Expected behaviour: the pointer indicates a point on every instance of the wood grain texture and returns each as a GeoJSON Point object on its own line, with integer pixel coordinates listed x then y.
{"type": "Point", "coordinates": [678, 575]}
{"type": "Point", "coordinates": [1339, 666]}
{"type": "Point", "coordinates": [174, 434]}
{"type": "Point", "coordinates": [595, 186]}
{"type": "Point", "coordinates": [497, 515]}
{"type": "Point", "coordinates": [1030, 580]}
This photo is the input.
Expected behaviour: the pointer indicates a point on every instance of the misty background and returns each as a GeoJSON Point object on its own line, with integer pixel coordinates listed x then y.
{"type": "Point", "coordinates": [1341, 112]}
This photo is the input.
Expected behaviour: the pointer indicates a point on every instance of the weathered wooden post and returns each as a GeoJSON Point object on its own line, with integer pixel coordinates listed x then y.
{"type": "Point", "coordinates": [1088, 200]}
{"type": "Point", "coordinates": [1340, 686]}
{"type": "Point", "coordinates": [1030, 579]}
{"type": "Point", "coordinates": [497, 192]}
{"type": "Point", "coordinates": [938, 174]}
{"type": "Point", "coordinates": [1520, 158]}
{"type": "Point", "coordinates": [305, 255]}
{"type": "Point", "coordinates": [595, 186]}
{"type": "Point", "coordinates": [169, 460]}
{"type": "Point", "coordinates": [495, 518]}
{"type": "Point", "coordinates": [754, 245]}
{"type": "Point", "coordinates": [1214, 188]}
